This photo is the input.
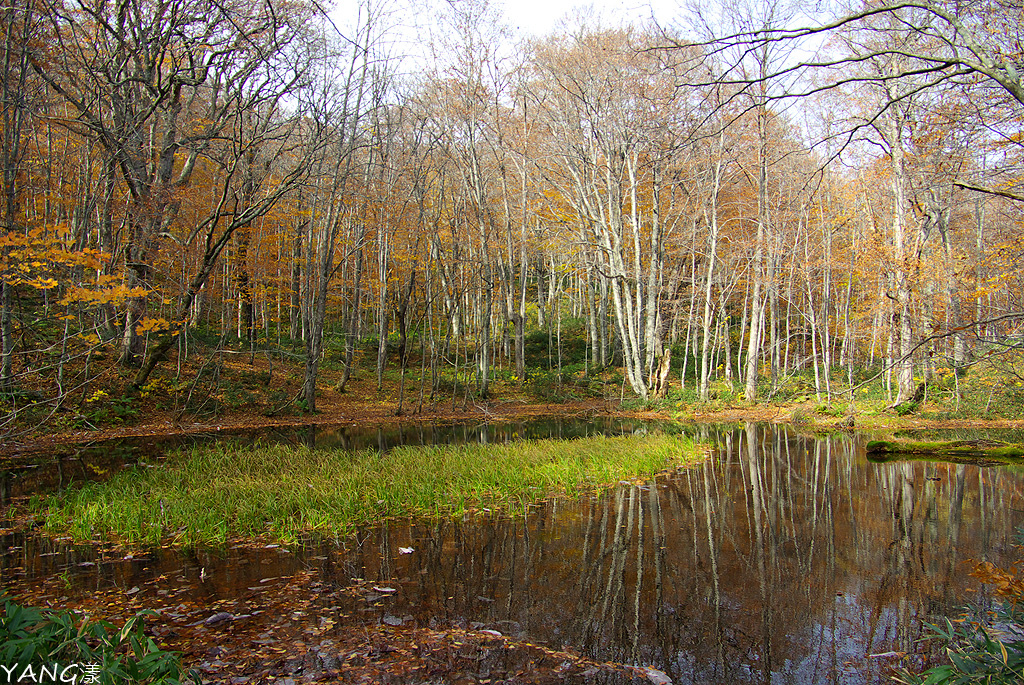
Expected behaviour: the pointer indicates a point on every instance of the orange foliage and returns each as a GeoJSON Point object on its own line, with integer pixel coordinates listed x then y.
{"type": "Point", "coordinates": [1007, 583]}
{"type": "Point", "coordinates": [35, 258]}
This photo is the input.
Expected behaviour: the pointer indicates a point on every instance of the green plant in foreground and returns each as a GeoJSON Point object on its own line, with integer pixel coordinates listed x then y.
{"type": "Point", "coordinates": [209, 494]}
{"type": "Point", "coordinates": [80, 650]}
{"type": "Point", "coordinates": [991, 652]}
{"type": "Point", "coordinates": [976, 655]}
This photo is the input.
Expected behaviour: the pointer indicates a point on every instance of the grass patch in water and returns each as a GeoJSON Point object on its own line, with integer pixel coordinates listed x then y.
{"type": "Point", "coordinates": [992, 449]}
{"type": "Point", "coordinates": [210, 494]}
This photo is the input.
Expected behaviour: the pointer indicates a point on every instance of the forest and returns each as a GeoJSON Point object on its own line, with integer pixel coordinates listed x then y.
{"type": "Point", "coordinates": [744, 198]}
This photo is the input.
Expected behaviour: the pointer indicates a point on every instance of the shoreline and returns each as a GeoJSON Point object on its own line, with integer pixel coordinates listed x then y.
{"type": "Point", "coordinates": [356, 413]}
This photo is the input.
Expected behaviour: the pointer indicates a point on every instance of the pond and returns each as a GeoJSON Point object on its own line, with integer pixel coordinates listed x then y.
{"type": "Point", "coordinates": [781, 559]}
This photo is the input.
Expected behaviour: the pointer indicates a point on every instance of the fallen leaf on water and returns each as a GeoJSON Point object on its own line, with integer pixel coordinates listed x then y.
{"type": "Point", "coordinates": [218, 617]}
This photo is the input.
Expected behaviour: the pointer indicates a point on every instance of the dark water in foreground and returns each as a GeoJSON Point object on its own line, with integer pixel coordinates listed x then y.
{"type": "Point", "coordinates": [781, 559]}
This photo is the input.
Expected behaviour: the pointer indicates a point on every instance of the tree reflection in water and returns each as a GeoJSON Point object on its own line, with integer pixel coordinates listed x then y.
{"type": "Point", "coordinates": [780, 559]}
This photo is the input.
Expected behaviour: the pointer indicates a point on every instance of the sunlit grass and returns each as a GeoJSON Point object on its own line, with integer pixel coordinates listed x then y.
{"type": "Point", "coordinates": [211, 494]}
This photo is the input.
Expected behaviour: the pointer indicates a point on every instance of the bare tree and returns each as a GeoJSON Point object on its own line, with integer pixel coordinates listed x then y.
{"type": "Point", "coordinates": [470, 81]}
{"type": "Point", "coordinates": [954, 44]}
{"type": "Point", "coordinates": [898, 59]}
{"type": "Point", "coordinates": [158, 85]}
{"type": "Point", "coordinates": [614, 123]}
{"type": "Point", "coordinates": [354, 81]}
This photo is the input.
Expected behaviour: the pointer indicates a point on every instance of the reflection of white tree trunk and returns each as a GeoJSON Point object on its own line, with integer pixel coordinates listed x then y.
{"type": "Point", "coordinates": [620, 546]}
{"type": "Point", "coordinates": [658, 541]}
{"type": "Point", "coordinates": [716, 593]}
{"type": "Point", "coordinates": [639, 581]}
{"type": "Point", "coordinates": [904, 556]}
{"type": "Point", "coordinates": [754, 471]}
{"type": "Point", "coordinates": [590, 576]}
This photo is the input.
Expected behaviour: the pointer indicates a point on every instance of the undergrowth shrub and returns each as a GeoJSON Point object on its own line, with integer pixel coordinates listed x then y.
{"type": "Point", "coordinates": [82, 650]}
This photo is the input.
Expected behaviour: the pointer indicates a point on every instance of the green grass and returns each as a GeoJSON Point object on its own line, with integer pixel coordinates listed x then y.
{"type": "Point", "coordinates": [212, 494]}
{"type": "Point", "coordinates": [32, 640]}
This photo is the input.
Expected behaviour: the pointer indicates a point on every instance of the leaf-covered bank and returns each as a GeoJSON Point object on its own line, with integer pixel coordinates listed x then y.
{"type": "Point", "coordinates": [210, 494]}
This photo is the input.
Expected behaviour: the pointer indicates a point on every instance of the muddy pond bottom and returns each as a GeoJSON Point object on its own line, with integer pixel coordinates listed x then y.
{"type": "Point", "coordinates": [781, 559]}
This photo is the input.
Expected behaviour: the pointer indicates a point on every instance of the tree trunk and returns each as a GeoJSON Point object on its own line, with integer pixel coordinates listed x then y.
{"type": "Point", "coordinates": [6, 338]}
{"type": "Point", "coordinates": [711, 218]}
{"type": "Point", "coordinates": [295, 296]}
{"type": "Point", "coordinates": [757, 268]}
{"type": "Point", "coordinates": [352, 333]}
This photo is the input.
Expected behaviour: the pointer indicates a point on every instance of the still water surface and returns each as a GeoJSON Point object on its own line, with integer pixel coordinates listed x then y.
{"type": "Point", "coordinates": [780, 559]}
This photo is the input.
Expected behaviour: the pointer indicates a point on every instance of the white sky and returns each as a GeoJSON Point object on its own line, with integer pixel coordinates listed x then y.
{"type": "Point", "coordinates": [411, 24]}
{"type": "Point", "coordinates": [526, 18]}
{"type": "Point", "coordinates": [541, 17]}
